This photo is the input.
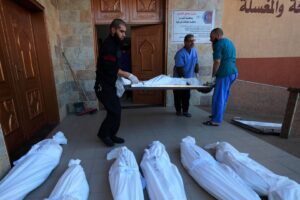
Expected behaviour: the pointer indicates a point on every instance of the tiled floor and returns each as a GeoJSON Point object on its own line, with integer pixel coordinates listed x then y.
{"type": "Point", "coordinates": [140, 127]}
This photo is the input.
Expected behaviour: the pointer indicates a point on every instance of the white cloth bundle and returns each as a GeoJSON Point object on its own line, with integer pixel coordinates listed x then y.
{"type": "Point", "coordinates": [163, 80]}
{"type": "Point", "coordinates": [163, 179]}
{"type": "Point", "coordinates": [124, 175]}
{"type": "Point", "coordinates": [72, 185]}
{"type": "Point", "coordinates": [216, 178]}
{"type": "Point", "coordinates": [120, 85]}
{"type": "Point", "coordinates": [32, 169]}
{"type": "Point", "coordinates": [259, 178]}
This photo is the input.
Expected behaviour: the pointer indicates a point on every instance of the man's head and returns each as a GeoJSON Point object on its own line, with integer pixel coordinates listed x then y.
{"type": "Point", "coordinates": [216, 34]}
{"type": "Point", "coordinates": [189, 41]}
{"type": "Point", "coordinates": [118, 28]}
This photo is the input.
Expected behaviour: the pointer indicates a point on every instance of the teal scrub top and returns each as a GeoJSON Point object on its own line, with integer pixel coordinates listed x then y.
{"type": "Point", "coordinates": [224, 50]}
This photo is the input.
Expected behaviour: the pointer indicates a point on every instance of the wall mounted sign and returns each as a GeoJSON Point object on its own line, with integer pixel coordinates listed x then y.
{"type": "Point", "coordinates": [198, 23]}
{"type": "Point", "coordinates": [275, 7]}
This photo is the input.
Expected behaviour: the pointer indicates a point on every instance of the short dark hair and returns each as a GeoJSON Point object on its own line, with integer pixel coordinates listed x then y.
{"type": "Point", "coordinates": [218, 31]}
{"type": "Point", "coordinates": [116, 23]}
{"type": "Point", "coordinates": [188, 36]}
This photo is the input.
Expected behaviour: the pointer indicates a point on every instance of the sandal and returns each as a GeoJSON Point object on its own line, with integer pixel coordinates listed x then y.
{"type": "Point", "coordinates": [210, 123]}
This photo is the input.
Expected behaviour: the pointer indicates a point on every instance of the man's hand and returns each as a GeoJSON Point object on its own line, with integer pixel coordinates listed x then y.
{"type": "Point", "coordinates": [180, 71]}
{"type": "Point", "coordinates": [133, 79]}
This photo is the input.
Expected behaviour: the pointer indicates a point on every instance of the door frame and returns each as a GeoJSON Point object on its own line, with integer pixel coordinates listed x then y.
{"type": "Point", "coordinates": [165, 27]}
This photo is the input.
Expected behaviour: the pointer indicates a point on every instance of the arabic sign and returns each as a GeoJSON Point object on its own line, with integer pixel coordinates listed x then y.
{"type": "Point", "coordinates": [198, 23]}
{"type": "Point", "coordinates": [269, 7]}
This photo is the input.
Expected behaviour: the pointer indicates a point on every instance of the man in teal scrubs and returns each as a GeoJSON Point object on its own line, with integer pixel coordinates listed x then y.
{"type": "Point", "coordinates": [186, 65]}
{"type": "Point", "coordinates": [225, 71]}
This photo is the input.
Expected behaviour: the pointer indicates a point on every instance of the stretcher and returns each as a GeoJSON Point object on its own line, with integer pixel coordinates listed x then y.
{"type": "Point", "coordinates": [199, 88]}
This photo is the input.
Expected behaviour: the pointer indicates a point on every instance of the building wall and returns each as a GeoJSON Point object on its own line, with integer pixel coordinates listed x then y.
{"type": "Point", "coordinates": [204, 50]}
{"type": "Point", "coordinates": [53, 28]}
{"type": "Point", "coordinates": [268, 45]}
{"type": "Point", "coordinates": [267, 52]}
{"type": "Point", "coordinates": [78, 45]}
{"type": "Point", "coordinates": [70, 30]}
{"type": "Point", "coordinates": [4, 160]}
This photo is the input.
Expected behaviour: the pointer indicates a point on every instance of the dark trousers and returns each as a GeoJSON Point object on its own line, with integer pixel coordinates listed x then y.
{"type": "Point", "coordinates": [111, 123]}
{"type": "Point", "coordinates": [182, 100]}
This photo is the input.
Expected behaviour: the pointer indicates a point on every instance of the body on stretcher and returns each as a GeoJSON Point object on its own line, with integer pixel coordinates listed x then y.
{"type": "Point", "coordinates": [164, 82]}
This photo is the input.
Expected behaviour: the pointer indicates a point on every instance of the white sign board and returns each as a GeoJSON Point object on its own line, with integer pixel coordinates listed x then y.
{"type": "Point", "coordinates": [198, 23]}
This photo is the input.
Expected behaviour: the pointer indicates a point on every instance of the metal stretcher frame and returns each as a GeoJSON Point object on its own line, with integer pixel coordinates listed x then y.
{"type": "Point", "coordinates": [200, 88]}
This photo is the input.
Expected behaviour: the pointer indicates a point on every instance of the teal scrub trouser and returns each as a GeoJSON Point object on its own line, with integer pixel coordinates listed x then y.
{"type": "Point", "coordinates": [220, 96]}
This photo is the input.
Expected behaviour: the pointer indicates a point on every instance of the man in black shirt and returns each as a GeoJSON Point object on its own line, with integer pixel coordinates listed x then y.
{"type": "Point", "coordinates": [108, 70]}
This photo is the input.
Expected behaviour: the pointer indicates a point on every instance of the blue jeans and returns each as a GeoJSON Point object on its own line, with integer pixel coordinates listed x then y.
{"type": "Point", "coordinates": [220, 96]}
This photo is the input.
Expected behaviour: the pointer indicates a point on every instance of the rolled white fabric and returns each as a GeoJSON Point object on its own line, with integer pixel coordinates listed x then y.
{"type": "Point", "coordinates": [72, 185]}
{"type": "Point", "coordinates": [258, 177]}
{"type": "Point", "coordinates": [216, 178]}
{"type": "Point", "coordinates": [163, 180]}
{"type": "Point", "coordinates": [31, 170]}
{"type": "Point", "coordinates": [124, 175]}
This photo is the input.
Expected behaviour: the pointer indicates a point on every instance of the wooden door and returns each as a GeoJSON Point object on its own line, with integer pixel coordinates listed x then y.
{"type": "Point", "coordinates": [145, 11]}
{"type": "Point", "coordinates": [24, 70]}
{"type": "Point", "coordinates": [147, 60]}
{"type": "Point", "coordinates": [106, 10]}
{"type": "Point", "coordinates": [9, 114]}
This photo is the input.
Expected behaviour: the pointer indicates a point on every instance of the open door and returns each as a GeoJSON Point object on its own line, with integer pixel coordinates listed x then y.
{"type": "Point", "coordinates": [147, 47]}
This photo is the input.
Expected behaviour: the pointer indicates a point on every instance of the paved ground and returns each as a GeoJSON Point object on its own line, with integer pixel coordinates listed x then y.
{"type": "Point", "coordinates": [290, 145]}
{"type": "Point", "coordinates": [140, 127]}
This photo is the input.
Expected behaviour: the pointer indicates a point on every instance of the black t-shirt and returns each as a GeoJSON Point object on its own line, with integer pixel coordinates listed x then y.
{"type": "Point", "coordinates": [108, 63]}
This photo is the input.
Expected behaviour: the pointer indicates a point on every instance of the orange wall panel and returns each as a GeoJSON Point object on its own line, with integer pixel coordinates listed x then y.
{"type": "Point", "coordinates": [283, 72]}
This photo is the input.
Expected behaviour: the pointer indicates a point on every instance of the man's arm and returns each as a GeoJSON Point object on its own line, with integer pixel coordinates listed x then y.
{"type": "Point", "coordinates": [216, 66]}
{"type": "Point", "coordinates": [128, 75]}
{"type": "Point", "coordinates": [196, 68]}
{"type": "Point", "coordinates": [179, 71]}
{"type": "Point", "coordinates": [123, 73]}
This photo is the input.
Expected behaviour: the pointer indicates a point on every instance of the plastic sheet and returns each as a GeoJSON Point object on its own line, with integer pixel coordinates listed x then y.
{"type": "Point", "coordinates": [163, 179]}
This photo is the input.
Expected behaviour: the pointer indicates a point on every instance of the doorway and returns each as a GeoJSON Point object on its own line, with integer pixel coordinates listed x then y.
{"type": "Point", "coordinates": [142, 54]}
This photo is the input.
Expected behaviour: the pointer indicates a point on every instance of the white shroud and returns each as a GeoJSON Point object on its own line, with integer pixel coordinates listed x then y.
{"type": "Point", "coordinates": [124, 175]}
{"type": "Point", "coordinates": [216, 178]}
{"type": "Point", "coordinates": [31, 170]}
{"type": "Point", "coordinates": [72, 185]}
{"type": "Point", "coordinates": [258, 177]}
{"type": "Point", "coordinates": [163, 179]}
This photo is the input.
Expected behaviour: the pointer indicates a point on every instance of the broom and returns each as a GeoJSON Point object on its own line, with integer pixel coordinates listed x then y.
{"type": "Point", "coordinates": [80, 108]}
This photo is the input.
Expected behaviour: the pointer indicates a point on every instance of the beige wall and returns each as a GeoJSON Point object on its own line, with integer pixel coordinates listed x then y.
{"type": "Point", "coordinates": [53, 28]}
{"type": "Point", "coordinates": [4, 160]}
{"type": "Point", "coordinates": [70, 29]}
{"type": "Point", "coordinates": [267, 55]}
{"type": "Point", "coordinates": [204, 50]}
{"type": "Point", "coordinates": [258, 35]}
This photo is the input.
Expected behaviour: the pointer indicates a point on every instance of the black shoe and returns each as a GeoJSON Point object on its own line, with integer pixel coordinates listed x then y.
{"type": "Point", "coordinates": [107, 141]}
{"type": "Point", "coordinates": [210, 116]}
{"type": "Point", "coordinates": [178, 113]}
{"type": "Point", "coordinates": [187, 114]}
{"type": "Point", "coordinates": [116, 139]}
